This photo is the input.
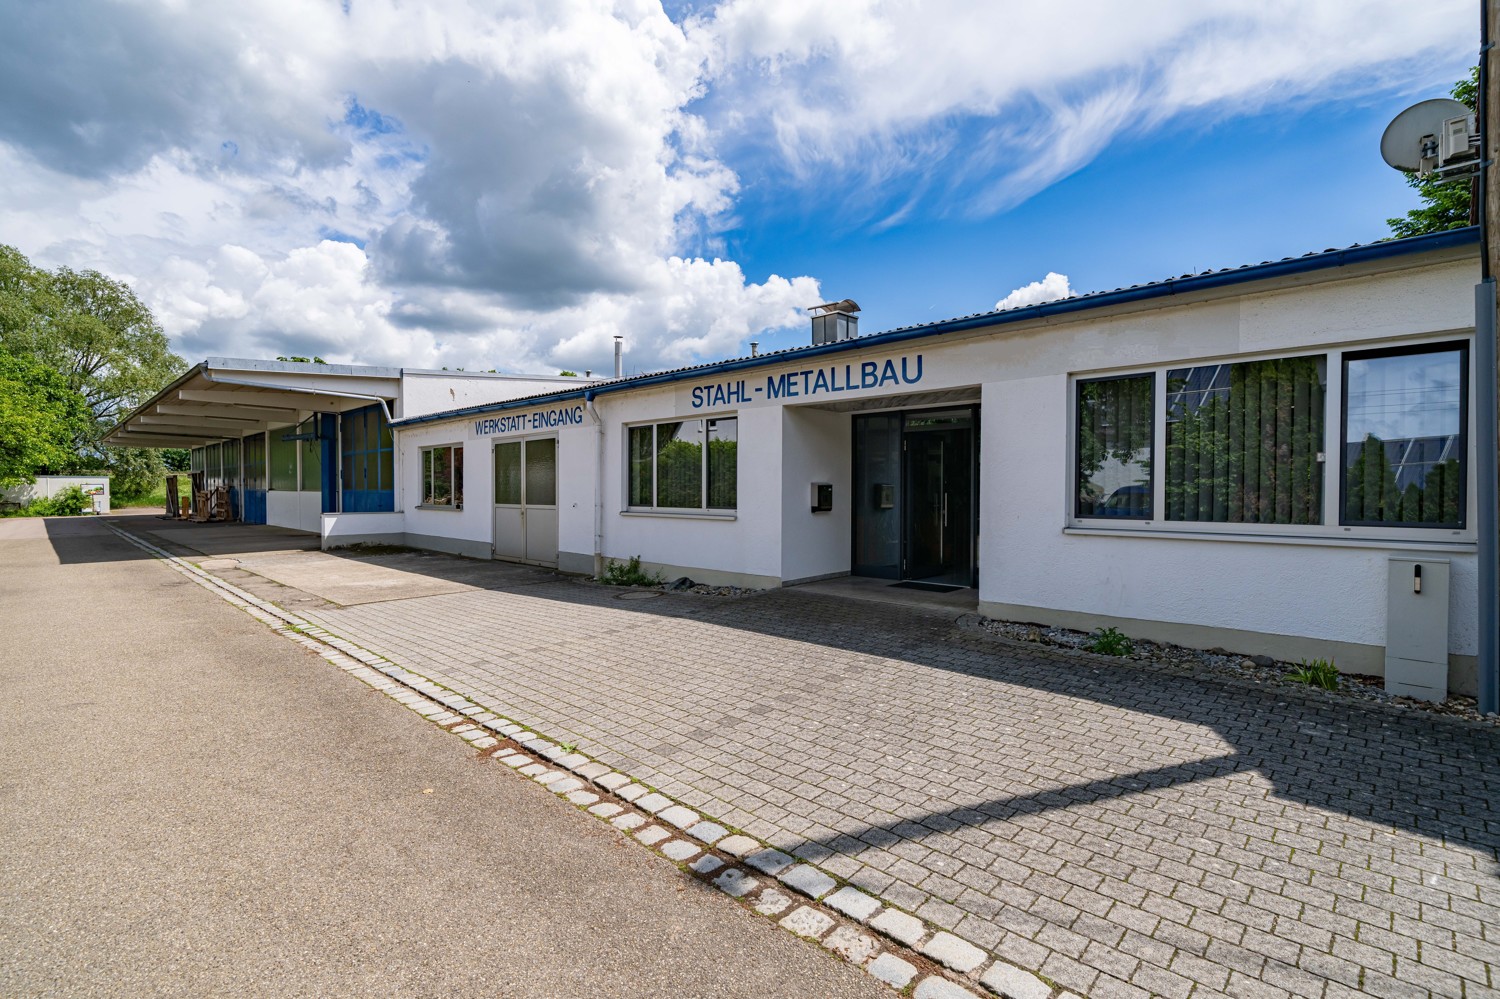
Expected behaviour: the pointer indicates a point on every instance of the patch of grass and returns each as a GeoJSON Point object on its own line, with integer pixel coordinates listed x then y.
{"type": "Point", "coordinates": [121, 501]}
{"type": "Point", "coordinates": [630, 573]}
{"type": "Point", "coordinates": [1317, 673]}
{"type": "Point", "coordinates": [1109, 642]}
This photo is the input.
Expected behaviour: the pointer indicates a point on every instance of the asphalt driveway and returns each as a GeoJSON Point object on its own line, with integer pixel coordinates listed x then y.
{"type": "Point", "coordinates": [191, 805]}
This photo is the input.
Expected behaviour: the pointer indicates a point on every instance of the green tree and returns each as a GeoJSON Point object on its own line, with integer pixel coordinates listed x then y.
{"type": "Point", "coordinates": [1444, 205]}
{"type": "Point", "coordinates": [101, 339]}
{"type": "Point", "coordinates": [40, 419]}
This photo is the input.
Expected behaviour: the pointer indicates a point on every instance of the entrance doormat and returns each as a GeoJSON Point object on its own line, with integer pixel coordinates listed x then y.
{"type": "Point", "coordinates": [912, 584]}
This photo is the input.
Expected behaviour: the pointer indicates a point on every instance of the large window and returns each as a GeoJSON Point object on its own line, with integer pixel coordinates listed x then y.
{"type": "Point", "coordinates": [366, 461]}
{"type": "Point", "coordinates": [255, 462]}
{"type": "Point", "coordinates": [443, 476]}
{"type": "Point", "coordinates": [1404, 441]}
{"type": "Point", "coordinates": [283, 459]}
{"type": "Point", "coordinates": [1245, 442]}
{"type": "Point", "coordinates": [312, 455]}
{"type": "Point", "coordinates": [1261, 443]}
{"type": "Point", "coordinates": [229, 454]}
{"type": "Point", "coordinates": [1114, 447]}
{"type": "Point", "coordinates": [685, 465]}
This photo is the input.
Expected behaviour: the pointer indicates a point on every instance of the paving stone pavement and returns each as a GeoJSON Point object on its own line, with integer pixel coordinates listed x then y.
{"type": "Point", "coordinates": [1122, 831]}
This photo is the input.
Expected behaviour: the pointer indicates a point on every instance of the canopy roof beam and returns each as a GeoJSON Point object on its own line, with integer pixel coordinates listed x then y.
{"type": "Point", "coordinates": [214, 422]}
{"type": "Point", "coordinates": [246, 414]}
{"type": "Point", "coordinates": [311, 402]}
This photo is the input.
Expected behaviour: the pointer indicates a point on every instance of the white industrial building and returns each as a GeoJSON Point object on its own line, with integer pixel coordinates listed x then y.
{"type": "Point", "coordinates": [1253, 458]}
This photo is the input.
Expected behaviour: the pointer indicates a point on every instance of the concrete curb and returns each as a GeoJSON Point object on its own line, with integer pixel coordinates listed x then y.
{"type": "Point", "coordinates": [909, 954]}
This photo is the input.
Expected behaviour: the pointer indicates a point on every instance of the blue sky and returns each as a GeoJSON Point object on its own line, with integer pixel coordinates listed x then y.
{"type": "Point", "coordinates": [1177, 200]}
{"type": "Point", "coordinates": [512, 184]}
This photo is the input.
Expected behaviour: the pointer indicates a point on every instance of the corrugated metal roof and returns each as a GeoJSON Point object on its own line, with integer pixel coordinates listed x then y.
{"type": "Point", "coordinates": [1199, 281]}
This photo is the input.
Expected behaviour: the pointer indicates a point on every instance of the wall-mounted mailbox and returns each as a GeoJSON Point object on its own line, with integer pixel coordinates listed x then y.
{"type": "Point", "coordinates": [1416, 628]}
{"type": "Point", "coordinates": [822, 497]}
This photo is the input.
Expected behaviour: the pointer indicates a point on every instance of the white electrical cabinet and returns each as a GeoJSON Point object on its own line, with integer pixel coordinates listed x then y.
{"type": "Point", "coordinates": [1416, 628]}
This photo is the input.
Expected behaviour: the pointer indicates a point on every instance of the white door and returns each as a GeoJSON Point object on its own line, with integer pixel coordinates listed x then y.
{"type": "Point", "coordinates": [526, 500]}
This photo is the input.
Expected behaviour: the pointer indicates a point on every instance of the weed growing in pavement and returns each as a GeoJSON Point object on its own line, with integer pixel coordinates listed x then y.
{"type": "Point", "coordinates": [1109, 642]}
{"type": "Point", "coordinates": [1317, 673]}
{"type": "Point", "coordinates": [630, 573]}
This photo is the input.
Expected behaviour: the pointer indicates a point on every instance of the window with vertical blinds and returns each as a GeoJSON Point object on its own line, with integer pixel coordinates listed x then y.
{"type": "Point", "coordinates": [1405, 448]}
{"type": "Point", "coordinates": [1113, 447]}
{"type": "Point", "coordinates": [1251, 443]}
{"type": "Point", "coordinates": [1246, 442]}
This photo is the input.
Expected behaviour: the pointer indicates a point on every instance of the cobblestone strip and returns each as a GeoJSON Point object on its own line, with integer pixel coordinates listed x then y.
{"type": "Point", "coordinates": [925, 961]}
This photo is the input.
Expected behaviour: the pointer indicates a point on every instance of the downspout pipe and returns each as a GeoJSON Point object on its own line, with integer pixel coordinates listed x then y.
{"type": "Point", "coordinates": [588, 400]}
{"type": "Point", "coordinates": [1487, 444]}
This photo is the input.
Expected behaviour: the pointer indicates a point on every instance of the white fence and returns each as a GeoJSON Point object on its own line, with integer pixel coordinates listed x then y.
{"type": "Point", "coordinates": [47, 486]}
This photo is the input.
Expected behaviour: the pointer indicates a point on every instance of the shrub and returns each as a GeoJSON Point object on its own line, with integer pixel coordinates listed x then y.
{"type": "Point", "coordinates": [630, 573]}
{"type": "Point", "coordinates": [68, 503]}
{"type": "Point", "coordinates": [1318, 673]}
{"type": "Point", "coordinates": [1109, 642]}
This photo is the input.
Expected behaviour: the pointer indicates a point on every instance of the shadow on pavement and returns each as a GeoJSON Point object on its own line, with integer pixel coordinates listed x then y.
{"type": "Point", "coordinates": [83, 540]}
{"type": "Point", "coordinates": [1415, 772]}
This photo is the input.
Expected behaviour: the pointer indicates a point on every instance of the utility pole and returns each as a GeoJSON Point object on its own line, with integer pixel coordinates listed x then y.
{"type": "Point", "coordinates": [1487, 443]}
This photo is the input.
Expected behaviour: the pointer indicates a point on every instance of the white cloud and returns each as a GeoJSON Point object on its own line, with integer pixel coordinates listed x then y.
{"type": "Point", "coordinates": [999, 100]}
{"type": "Point", "coordinates": [456, 183]}
{"type": "Point", "coordinates": [442, 185]}
{"type": "Point", "coordinates": [1049, 289]}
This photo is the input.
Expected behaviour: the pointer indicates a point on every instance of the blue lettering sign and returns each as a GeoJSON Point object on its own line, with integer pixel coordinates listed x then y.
{"type": "Point", "coordinates": [811, 381]}
{"type": "Point", "coordinates": [545, 419]}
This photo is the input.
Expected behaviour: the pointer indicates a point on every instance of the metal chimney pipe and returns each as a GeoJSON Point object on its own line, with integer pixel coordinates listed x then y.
{"type": "Point", "coordinates": [754, 348]}
{"type": "Point", "coordinates": [619, 356]}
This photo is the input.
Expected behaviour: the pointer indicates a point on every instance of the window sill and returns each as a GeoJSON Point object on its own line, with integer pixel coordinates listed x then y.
{"type": "Point", "coordinates": [681, 514]}
{"type": "Point", "coordinates": [449, 508]}
{"type": "Point", "coordinates": [1313, 540]}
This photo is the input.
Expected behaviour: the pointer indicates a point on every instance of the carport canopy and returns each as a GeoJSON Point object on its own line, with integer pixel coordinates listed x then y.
{"type": "Point", "coordinates": [226, 398]}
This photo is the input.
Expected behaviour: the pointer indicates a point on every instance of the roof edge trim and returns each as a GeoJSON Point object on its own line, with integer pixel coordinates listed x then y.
{"type": "Point", "coordinates": [1206, 281]}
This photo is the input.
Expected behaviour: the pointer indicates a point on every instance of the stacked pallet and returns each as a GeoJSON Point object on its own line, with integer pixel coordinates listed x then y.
{"type": "Point", "coordinates": [212, 504]}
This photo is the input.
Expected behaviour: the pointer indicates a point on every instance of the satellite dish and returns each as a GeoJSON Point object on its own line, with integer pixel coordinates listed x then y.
{"type": "Point", "coordinates": [1414, 134]}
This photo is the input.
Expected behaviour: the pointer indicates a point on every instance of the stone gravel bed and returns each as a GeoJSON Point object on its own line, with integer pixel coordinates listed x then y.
{"type": "Point", "coordinates": [1255, 668]}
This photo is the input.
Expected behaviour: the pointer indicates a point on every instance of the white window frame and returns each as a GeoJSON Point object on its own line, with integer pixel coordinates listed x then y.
{"type": "Point", "coordinates": [1330, 530]}
{"type": "Point", "coordinates": [704, 512]}
{"type": "Point", "coordinates": [454, 504]}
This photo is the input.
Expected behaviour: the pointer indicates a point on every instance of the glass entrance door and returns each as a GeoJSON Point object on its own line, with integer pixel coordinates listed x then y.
{"type": "Point", "coordinates": [915, 496]}
{"type": "Point", "coordinates": [938, 488]}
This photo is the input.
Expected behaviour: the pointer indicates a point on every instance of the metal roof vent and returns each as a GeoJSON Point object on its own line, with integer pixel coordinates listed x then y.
{"type": "Point", "coordinates": [834, 321]}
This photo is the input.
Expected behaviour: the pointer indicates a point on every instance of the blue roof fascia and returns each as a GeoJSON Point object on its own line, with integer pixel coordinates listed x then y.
{"type": "Point", "coordinates": [1188, 284]}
